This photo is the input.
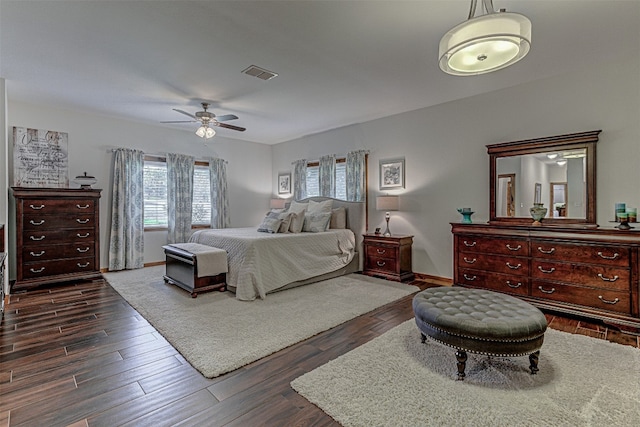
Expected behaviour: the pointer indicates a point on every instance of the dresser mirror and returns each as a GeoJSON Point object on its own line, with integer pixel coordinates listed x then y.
{"type": "Point", "coordinates": [557, 171]}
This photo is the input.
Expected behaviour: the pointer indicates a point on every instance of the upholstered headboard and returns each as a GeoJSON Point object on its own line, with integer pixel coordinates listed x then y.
{"type": "Point", "coordinates": [356, 218]}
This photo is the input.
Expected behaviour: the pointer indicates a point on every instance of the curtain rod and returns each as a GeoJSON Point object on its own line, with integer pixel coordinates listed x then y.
{"type": "Point", "coordinates": [164, 155]}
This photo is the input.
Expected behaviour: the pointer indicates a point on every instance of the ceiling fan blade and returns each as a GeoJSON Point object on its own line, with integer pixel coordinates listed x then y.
{"type": "Point", "coordinates": [185, 113]}
{"type": "Point", "coordinates": [181, 121]}
{"type": "Point", "coordinates": [224, 125]}
{"type": "Point", "coordinates": [226, 117]}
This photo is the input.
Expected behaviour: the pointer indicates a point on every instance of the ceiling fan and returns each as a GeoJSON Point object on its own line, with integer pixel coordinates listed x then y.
{"type": "Point", "coordinates": [208, 119]}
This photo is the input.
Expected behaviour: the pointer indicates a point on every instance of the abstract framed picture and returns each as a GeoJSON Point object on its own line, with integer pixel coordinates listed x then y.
{"type": "Point", "coordinates": [284, 183]}
{"type": "Point", "coordinates": [391, 174]}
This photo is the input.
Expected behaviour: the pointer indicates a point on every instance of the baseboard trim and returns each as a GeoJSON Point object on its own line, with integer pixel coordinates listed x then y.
{"type": "Point", "coordinates": [149, 264]}
{"type": "Point", "coordinates": [444, 281]}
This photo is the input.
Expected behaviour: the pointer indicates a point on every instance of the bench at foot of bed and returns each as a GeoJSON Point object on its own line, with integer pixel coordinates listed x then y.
{"type": "Point", "coordinates": [196, 268]}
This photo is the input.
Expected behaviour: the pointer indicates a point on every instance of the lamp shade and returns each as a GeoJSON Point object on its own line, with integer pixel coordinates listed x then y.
{"type": "Point", "coordinates": [277, 203]}
{"type": "Point", "coordinates": [484, 44]}
{"type": "Point", "coordinates": [387, 203]}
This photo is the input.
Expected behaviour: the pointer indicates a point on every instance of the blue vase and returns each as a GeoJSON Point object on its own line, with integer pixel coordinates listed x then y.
{"type": "Point", "coordinates": [466, 215]}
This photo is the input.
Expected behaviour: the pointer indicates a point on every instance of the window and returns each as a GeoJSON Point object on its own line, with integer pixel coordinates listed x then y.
{"type": "Point", "coordinates": [201, 211]}
{"type": "Point", "coordinates": [155, 194]}
{"type": "Point", "coordinates": [313, 179]}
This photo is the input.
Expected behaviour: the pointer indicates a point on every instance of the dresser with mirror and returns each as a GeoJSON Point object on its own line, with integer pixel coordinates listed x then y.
{"type": "Point", "coordinates": [567, 263]}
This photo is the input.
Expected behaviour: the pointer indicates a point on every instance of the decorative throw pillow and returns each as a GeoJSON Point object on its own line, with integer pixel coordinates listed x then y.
{"type": "Point", "coordinates": [320, 207]}
{"type": "Point", "coordinates": [286, 220]}
{"type": "Point", "coordinates": [338, 218]}
{"type": "Point", "coordinates": [317, 222]}
{"type": "Point", "coordinates": [270, 225]}
{"type": "Point", "coordinates": [297, 222]}
{"type": "Point", "coordinates": [299, 210]}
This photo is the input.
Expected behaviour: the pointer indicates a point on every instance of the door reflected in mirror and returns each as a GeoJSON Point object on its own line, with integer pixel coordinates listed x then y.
{"type": "Point", "coordinates": [507, 195]}
{"type": "Point", "coordinates": [559, 199]}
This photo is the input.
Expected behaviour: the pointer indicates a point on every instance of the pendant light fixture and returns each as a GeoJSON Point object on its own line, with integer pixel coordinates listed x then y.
{"type": "Point", "coordinates": [485, 43]}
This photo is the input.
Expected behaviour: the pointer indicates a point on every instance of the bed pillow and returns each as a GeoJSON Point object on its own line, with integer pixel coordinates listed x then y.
{"type": "Point", "coordinates": [286, 218]}
{"type": "Point", "coordinates": [297, 220]}
{"type": "Point", "coordinates": [316, 222]}
{"type": "Point", "coordinates": [338, 218]}
{"type": "Point", "coordinates": [270, 224]}
{"type": "Point", "coordinates": [320, 207]}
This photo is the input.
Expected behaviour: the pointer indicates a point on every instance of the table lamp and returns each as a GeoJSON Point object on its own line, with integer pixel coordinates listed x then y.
{"type": "Point", "coordinates": [387, 203]}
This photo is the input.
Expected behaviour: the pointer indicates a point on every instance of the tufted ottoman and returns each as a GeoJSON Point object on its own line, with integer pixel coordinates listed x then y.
{"type": "Point", "coordinates": [480, 321]}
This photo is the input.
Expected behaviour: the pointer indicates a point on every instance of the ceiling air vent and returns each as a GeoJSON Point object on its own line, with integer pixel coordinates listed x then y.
{"type": "Point", "coordinates": [260, 73]}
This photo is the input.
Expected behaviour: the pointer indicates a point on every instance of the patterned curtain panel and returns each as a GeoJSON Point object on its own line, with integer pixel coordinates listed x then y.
{"type": "Point", "coordinates": [220, 217]}
{"type": "Point", "coordinates": [126, 241]}
{"type": "Point", "coordinates": [356, 175]}
{"type": "Point", "coordinates": [179, 197]}
{"type": "Point", "coordinates": [299, 179]}
{"type": "Point", "coordinates": [327, 174]}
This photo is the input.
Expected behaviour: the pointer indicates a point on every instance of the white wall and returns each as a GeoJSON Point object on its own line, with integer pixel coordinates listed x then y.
{"type": "Point", "coordinates": [4, 175]}
{"type": "Point", "coordinates": [92, 137]}
{"type": "Point", "coordinates": [447, 165]}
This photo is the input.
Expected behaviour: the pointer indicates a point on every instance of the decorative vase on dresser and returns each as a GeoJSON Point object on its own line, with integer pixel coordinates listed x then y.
{"type": "Point", "coordinates": [57, 235]}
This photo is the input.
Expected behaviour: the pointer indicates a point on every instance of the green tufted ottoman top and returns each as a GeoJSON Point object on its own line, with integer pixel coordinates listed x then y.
{"type": "Point", "coordinates": [479, 314]}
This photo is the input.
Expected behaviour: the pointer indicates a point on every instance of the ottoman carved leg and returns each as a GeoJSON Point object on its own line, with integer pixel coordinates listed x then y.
{"type": "Point", "coordinates": [533, 359]}
{"type": "Point", "coordinates": [461, 356]}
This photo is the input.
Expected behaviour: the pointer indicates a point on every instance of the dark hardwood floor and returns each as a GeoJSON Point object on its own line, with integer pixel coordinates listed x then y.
{"type": "Point", "coordinates": [79, 355]}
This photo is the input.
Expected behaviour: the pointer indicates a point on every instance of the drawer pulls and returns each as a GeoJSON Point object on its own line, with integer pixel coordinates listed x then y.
{"type": "Point", "coordinates": [608, 279]}
{"type": "Point", "coordinates": [380, 263]}
{"type": "Point", "coordinates": [513, 267]}
{"type": "Point", "coordinates": [517, 285]}
{"type": "Point", "coordinates": [83, 250]}
{"type": "Point", "coordinates": [86, 264]}
{"type": "Point", "coordinates": [546, 291]}
{"type": "Point", "coordinates": [470, 261]}
{"type": "Point", "coordinates": [551, 270]}
{"type": "Point", "coordinates": [82, 207]}
{"type": "Point", "coordinates": [82, 236]}
{"type": "Point", "coordinates": [35, 254]}
{"type": "Point", "coordinates": [470, 278]}
{"type": "Point", "coordinates": [36, 208]}
{"type": "Point", "coordinates": [82, 221]}
{"type": "Point", "coordinates": [614, 256]}
{"type": "Point", "coordinates": [381, 251]}
{"type": "Point", "coordinates": [615, 301]}
{"type": "Point", "coordinates": [469, 245]}
{"type": "Point", "coordinates": [550, 251]}
{"type": "Point", "coordinates": [517, 248]}
{"type": "Point", "coordinates": [40, 270]}
{"type": "Point", "coordinates": [32, 222]}
{"type": "Point", "coordinates": [37, 238]}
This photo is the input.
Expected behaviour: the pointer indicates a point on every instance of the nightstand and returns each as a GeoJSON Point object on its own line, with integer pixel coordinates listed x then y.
{"type": "Point", "coordinates": [388, 257]}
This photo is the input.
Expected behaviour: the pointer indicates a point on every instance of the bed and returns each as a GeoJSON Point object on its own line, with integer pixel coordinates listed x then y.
{"type": "Point", "coordinates": [260, 263]}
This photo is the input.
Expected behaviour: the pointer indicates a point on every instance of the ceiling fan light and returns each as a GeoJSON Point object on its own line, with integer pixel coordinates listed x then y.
{"type": "Point", "coordinates": [201, 131]}
{"type": "Point", "coordinates": [485, 43]}
{"type": "Point", "coordinates": [209, 133]}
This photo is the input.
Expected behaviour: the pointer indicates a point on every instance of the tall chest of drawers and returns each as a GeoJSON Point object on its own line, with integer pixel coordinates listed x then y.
{"type": "Point", "coordinates": [588, 272]}
{"type": "Point", "coordinates": [57, 235]}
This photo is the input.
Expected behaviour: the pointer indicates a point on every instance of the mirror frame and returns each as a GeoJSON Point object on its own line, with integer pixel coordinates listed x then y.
{"type": "Point", "coordinates": [573, 141]}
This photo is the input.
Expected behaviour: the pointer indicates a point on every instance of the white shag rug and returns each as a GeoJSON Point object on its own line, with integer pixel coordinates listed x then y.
{"type": "Point", "coordinates": [394, 380]}
{"type": "Point", "coordinates": [217, 333]}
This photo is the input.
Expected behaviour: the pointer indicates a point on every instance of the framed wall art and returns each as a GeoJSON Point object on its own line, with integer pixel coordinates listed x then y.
{"type": "Point", "coordinates": [40, 158]}
{"type": "Point", "coordinates": [391, 174]}
{"type": "Point", "coordinates": [284, 183]}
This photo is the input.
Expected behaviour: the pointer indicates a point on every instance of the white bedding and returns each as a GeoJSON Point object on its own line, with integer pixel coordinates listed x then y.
{"type": "Point", "coordinates": [262, 262]}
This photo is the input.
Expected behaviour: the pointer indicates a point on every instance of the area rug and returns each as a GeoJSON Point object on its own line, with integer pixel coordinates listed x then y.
{"type": "Point", "coordinates": [217, 333]}
{"type": "Point", "coordinates": [394, 380]}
